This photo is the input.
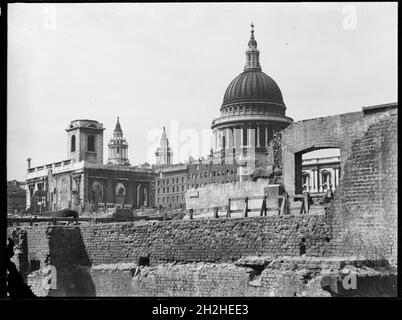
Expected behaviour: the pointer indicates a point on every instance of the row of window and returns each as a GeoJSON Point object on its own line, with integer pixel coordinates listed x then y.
{"type": "Point", "coordinates": [210, 174]}
{"type": "Point", "coordinates": [170, 199]}
{"type": "Point", "coordinates": [205, 184]}
{"type": "Point", "coordinates": [90, 143]}
{"type": "Point", "coordinates": [167, 189]}
{"type": "Point", "coordinates": [166, 181]}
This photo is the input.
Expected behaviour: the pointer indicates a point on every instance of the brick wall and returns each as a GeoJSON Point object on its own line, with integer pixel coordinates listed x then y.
{"type": "Point", "coordinates": [364, 210]}
{"type": "Point", "coordinates": [365, 207]}
{"type": "Point", "coordinates": [205, 240]}
{"type": "Point", "coordinates": [222, 240]}
{"type": "Point", "coordinates": [253, 276]}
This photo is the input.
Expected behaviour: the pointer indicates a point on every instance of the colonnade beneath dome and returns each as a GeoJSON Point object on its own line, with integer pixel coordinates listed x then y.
{"type": "Point", "coordinates": [236, 136]}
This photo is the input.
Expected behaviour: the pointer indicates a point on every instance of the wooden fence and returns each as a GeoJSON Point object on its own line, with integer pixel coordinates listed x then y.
{"type": "Point", "coordinates": [282, 208]}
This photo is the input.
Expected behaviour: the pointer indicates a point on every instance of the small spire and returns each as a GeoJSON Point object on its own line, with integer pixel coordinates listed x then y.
{"type": "Point", "coordinates": [252, 53]}
{"type": "Point", "coordinates": [118, 127]}
{"type": "Point", "coordinates": [164, 135]}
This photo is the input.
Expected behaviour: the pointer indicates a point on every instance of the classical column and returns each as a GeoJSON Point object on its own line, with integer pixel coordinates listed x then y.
{"type": "Point", "coordinates": [234, 137]}
{"type": "Point", "coordinates": [241, 136]}
{"type": "Point", "coordinates": [314, 180]}
{"type": "Point", "coordinates": [266, 136]}
{"type": "Point", "coordinates": [222, 134]}
{"type": "Point", "coordinates": [258, 137]}
{"type": "Point", "coordinates": [232, 140]}
{"type": "Point", "coordinates": [336, 176]}
{"type": "Point", "coordinates": [215, 140]}
{"type": "Point", "coordinates": [319, 180]}
{"type": "Point", "coordinates": [227, 138]}
{"type": "Point", "coordinates": [249, 130]}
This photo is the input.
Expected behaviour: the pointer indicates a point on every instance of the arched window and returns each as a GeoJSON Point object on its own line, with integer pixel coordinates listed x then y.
{"type": "Point", "coordinates": [91, 143]}
{"type": "Point", "coordinates": [120, 189]}
{"type": "Point", "coordinates": [326, 180]}
{"type": "Point", "coordinates": [73, 143]}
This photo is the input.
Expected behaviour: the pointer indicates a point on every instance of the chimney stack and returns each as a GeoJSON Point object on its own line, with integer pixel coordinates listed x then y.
{"type": "Point", "coordinates": [29, 163]}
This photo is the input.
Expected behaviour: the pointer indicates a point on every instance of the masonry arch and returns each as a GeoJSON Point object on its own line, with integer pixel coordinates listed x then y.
{"type": "Point", "coordinates": [316, 170]}
{"type": "Point", "coordinates": [142, 196]}
{"type": "Point", "coordinates": [97, 192]}
{"type": "Point", "coordinates": [120, 193]}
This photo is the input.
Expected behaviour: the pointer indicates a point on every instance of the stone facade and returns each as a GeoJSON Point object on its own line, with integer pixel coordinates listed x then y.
{"type": "Point", "coordinates": [217, 195]}
{"type": "Point", "coordinates": [171, 183]}
{"type": "Point", "coordinates": [83, 182]}
{"type": "Point", "coordinates": [16, 197]}
{"type": "Point", "coordinates": [201, 174]}
{"type": "Point", "coordinates": [85, 141]}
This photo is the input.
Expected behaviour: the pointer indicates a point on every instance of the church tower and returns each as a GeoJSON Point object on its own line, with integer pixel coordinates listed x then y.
{"type": "Point", "coordinates": [164, 154]}
{"type": "Point", "coordinates": [85, 141]}
{"type": "Point", "coordinates": [118, 148]}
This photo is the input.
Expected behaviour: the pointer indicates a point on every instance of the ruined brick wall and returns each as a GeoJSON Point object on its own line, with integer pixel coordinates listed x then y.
{"type": "Point", "coordinates": [205, 240]}
{"type": "Point", "coordinates": [251, 276]}
{"type": "Point", "coordinates": [213, 240]}
{"type": "Point", "coordinates": [365, 207]}
{"type": "Point", "coordinates": [32, 241]}
{"type": "Point", "coordinates": [364, 210]}
{"type": "Point", "coordinates": [52, 260]}
{"type": "Point", "coordinates": [31, 254]}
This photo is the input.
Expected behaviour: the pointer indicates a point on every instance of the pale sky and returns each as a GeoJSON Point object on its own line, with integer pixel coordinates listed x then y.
{"type": "Point", "coordinates": [162, 64]}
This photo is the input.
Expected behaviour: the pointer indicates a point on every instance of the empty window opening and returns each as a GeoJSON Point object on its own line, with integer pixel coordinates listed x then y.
{"type": "Point", "coordinates": [73, 143]}
{"type": "Point", "coordinates": [318, 171]}
{"type": "Point", "coordinates": [35, 265]}
{"type": "Point", "coordinates": [91, 143]}
{"type": "Point", "coordinates": [302, 246]}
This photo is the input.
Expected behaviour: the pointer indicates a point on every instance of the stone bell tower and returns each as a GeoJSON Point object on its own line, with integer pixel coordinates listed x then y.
{"type": "Point", "coordinates": [164, 154]}
{"type": "Point", "coordinates": [118, 148]}
{"type": "Point", "coordinates": [85, 141]}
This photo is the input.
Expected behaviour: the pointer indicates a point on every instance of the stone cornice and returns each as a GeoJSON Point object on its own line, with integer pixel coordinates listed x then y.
{"type": "Point", "coordinates": [238, 119]}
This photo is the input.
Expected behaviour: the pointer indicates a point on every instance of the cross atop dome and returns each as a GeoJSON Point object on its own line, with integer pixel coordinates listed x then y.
{"type": "Point", "coordinates": [252, 54]}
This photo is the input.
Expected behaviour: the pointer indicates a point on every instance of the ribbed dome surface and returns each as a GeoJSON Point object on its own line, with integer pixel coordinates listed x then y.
{"type": "Point", "coordinates": [253, 85]}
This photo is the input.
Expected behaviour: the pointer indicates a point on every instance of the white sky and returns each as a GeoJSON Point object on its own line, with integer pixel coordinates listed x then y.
{"type": "Point", "coordinates": [163, 64]}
